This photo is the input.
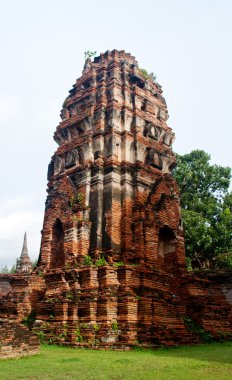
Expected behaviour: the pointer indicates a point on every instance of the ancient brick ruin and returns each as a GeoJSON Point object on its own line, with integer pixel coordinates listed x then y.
{"type": "Point", "coordinates": [17, 340]}
{"type": "Point", "coordinates": [111, 192]}
{"type": "Point", "coordinates": [111, 269]}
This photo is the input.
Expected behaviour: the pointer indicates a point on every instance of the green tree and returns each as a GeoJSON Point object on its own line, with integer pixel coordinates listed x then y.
{"type": "Point", "coordinates": [206, 209]}
{"type": "Point", "coordinates": [10, 270]}
{"type": "Point", "coordinates": [5, 270]}
{"type": "Point", "coordinates": [13, 268]}
{"type": "Point", "coordinates": [34, 263]}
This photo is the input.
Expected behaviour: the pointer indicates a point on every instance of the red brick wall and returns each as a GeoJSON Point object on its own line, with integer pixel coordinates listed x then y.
{"type": "Point", "coordinates": [16, 340]}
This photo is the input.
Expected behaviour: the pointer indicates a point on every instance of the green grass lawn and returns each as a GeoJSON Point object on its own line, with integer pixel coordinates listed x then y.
{"type": "Point", "coordinates": [212, 361]}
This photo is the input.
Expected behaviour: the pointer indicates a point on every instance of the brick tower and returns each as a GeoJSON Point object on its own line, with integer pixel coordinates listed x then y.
{"type": "Point", "coordinates": [111, 270]}
{"type": "Point", "coordinates": [111, 193]}
{"type": "Point", "coordinates": [112, 224]}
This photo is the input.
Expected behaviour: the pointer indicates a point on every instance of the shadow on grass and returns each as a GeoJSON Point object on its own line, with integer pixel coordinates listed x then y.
{"type": "Point", "coordinates": [218, 352]}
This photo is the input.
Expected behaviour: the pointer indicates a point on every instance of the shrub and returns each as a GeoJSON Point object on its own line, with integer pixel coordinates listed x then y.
{"type": "Point", "coordinates": [79, 337]}
{"type": "Point", "coordinates": [192, 326]}
{"type": "Point", "coordinates": [146, 75]}
{"type": "Point", "coordinates": [101, 262]}
{"type": "Point", "coordinates": [119, 264]}
{"type": "Point", "coordinates": [41, 336]}
{"type": "Point", "coordinates": [114, 325]}
{"type": "Point", "coordinates": [77, 199]}
{"type": "Point", "coordinates": [30, 319]}
{"type": "Point", "coordinates": [87, 261]}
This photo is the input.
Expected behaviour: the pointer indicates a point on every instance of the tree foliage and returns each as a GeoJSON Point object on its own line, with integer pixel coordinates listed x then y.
{"type": "Point", "coordinates": [8, 270]}
{"type": "Point", "coordinates": [206, 209]}
{"type": "Point", "coordinates": [12, 269]}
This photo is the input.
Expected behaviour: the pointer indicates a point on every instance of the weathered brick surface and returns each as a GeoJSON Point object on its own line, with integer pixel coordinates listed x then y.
{"type": "Point", "coordinates": [5, 286]}
{"type": "Point", "coordinates": [111, 195]}
{"type": "Point", "coordinates": [16, 340]}
{"type": "Point", "coordinates": [114, 151]}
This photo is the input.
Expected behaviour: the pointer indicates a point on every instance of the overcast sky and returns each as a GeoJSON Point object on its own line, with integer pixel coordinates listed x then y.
{"type": "Point", "coordinates": [187, 44]}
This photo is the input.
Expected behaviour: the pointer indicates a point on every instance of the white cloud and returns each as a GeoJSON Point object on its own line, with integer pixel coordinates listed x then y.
{"type": "Point", "coordinates": [19, 202]}
{"type": "Point", "coordinates": [18, 215]}
{"type": "Point", "coordinates": [11, 108]}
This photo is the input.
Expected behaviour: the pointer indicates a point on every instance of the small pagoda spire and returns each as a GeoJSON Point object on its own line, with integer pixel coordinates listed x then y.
{"type": "Point", "coordinates": [24, 264]}
{"type": "Point", "coordinates": [24, 249]}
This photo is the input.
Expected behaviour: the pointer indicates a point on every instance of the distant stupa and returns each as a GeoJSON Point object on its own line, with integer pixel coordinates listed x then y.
{"type": "Point", "coordinates": [24, 264]}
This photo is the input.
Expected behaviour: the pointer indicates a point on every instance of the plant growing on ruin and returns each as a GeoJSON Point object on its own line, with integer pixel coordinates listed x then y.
{"type": "Point", "coordinates": [77, 199]}
{"type": "Point", "coordinates": [119, 264]}
{"type": "Point", "coordinates": [89, 54]}
{"type": "Point", "coordinates": [52, 300]}
{"type": "Point", "coordinates": [144, 73]}
{"type": "Point", "coordinates": [41, 336]}
{"type": "Point", "coordinates": [51, 339]}
{"type": "Point", "coordinates": [79, 337]}
{"type": "Point", "coordinates": [64, 333]}
{"type": "Point", "coordinates": [87, 261]}
{"type": "Point", "coordinates": [114, 326]}
{"type": "Point", "coordinates": [45, 326]}
{"type": "Point", "coordinates": [96, 327]}
{"type": "Point", "coordinates": [84, 325]}
{"type": "Point", "coordinates": [65, 101]}
{"type": "Point", "coordinates": [101, 262]}
{"type": "Point", "coordinates": [41, 274]}
{"type": "Point", "coordinates": [69, 296]}
{"type": "Point", "coordinates": [223, 335]}
{"type": "Point", "coordinates": [30, 319]}
{"type": "Point", "coordinates": [192, 326]}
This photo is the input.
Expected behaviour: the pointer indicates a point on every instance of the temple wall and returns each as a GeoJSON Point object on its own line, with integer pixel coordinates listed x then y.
{"type": "Point", "coordinates": [209, 302]}
{"type": "Point", "coordinates": [128, 306]}
{"type": "Point", "coordinates": [5, 286]}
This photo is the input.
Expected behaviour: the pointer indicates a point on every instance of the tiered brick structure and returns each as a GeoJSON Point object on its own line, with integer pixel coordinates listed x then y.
{"type": "Point", "coordinates": [111, 194]}
{"type": "Point", "coordinates": [111, 270]}
{"type": "Point", "coordinates": [110, 188]}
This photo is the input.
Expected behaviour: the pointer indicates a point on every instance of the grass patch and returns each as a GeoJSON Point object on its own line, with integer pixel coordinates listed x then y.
{"type": "Point", "coordinates": [209, 361]}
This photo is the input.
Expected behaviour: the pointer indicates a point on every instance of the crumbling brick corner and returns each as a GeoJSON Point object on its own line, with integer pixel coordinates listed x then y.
{"type": "Point", "coordinates": [17, 340]}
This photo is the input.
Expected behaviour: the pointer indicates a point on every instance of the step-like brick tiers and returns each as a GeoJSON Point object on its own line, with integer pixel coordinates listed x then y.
{"type": "Point", "coordinates": [120, 307]}
{"type": "Point", "coordinates": [127, 306]}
